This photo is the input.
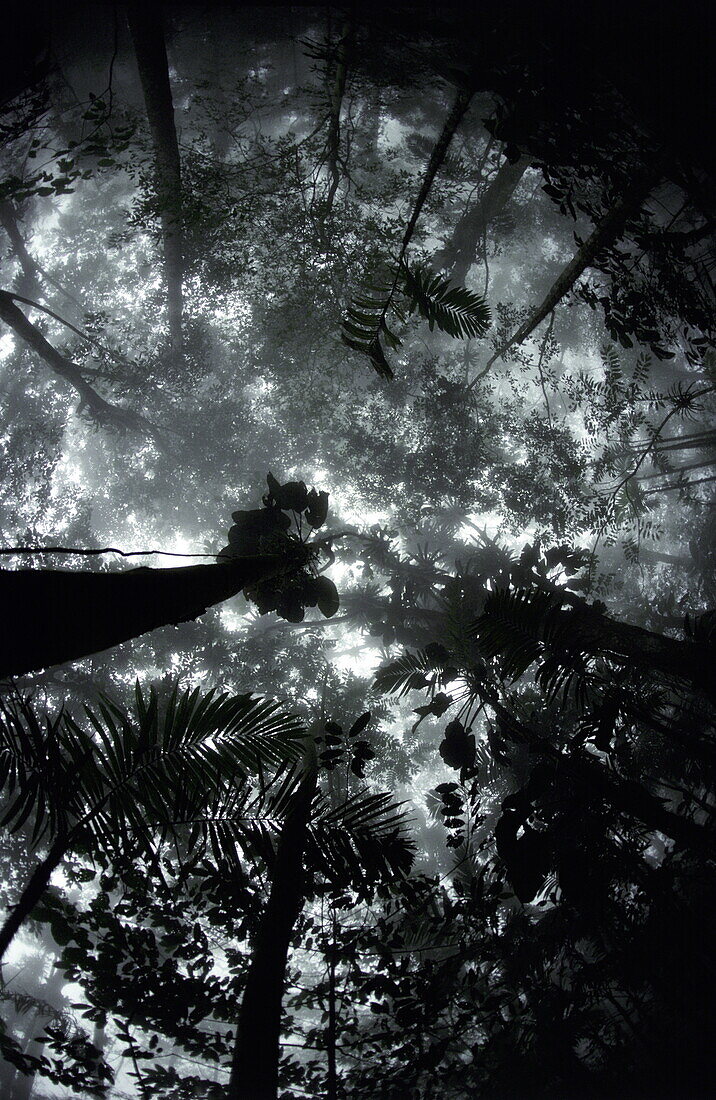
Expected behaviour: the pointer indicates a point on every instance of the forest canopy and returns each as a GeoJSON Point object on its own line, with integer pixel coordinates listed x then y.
{"type": "Point", "coordinates": [357, 557]}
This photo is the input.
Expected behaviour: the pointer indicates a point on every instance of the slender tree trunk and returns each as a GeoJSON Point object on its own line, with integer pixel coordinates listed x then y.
{"type": "Point", "coordinates": [332, 1030]}
{"type": "Point", "coordinates": [145, 25]}
{"type": "Point", "coordinates": [29, 283]}
{"type": "Point", "coordinates": [605, 233]}
{"type": "Point", "coordinates": [683, 561]}
{"type": "Point", "coordinates": [33, 891]}
{"type": "Point", "coordinates": [679, 485]}
{"type": "Point", "coordinates": [701, 465]}
{"type": "Point", "coordinates": [32, 273]}
{"type": "Point", "coordinates": [254, 1070]}
{"type": "Point", "coordinates": [336, 102]}
{"type": "Point", "coordinates": [52, 615]}
{"type": "Point", "coordinates": [459, 255]}
{"type": "Point", "coordinates": [103, 412]}
{"type": "Point", "coordinates": [462, 101]}
{"type": "Point", "coordinates": [99, 1042]}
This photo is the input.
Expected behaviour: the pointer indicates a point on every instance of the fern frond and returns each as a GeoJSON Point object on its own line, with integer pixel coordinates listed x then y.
{"type": "Point", "coordinates": [454, 309]}
{"type": "Point", "coordinates": [364, 324]}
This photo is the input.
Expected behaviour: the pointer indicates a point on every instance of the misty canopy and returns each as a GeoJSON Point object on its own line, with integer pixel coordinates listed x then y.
{"type": "Point", "coordinates": [400, 782]}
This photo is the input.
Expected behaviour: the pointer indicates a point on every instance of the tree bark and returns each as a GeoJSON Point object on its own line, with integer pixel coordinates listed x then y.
{"type": "Point", "coordinates": [254, 1070]}
{"type": "Point", "coordinates": [52, 615]}
{"type": "Point", "coordinates": [145, 26]}
{"type": "Point", "coordinates": [103, 412]}
{"type": "Point", "coordinates": [33, 891]}
{"type": "Point", "coordinates": [459, 255]}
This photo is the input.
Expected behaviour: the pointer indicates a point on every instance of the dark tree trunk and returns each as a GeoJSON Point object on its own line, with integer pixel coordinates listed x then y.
{"type": "Point", "coordinates": [29, 283]}
{"type": "Point", "coordinates": [459, 255]}
{"type": "Point", "coordinates": [145, 25]}
{"type": "Point", "coordinates": [690, 662]}
{"type": "Point", "coordinates": [332, 1030]}
{"type": "Point", "coordinates": [33, 891]}
{"type": "Point", "coordinates": [463, 98]}
{"type": "Point", "coordinates": [624, 795]}
{"type": "Point", "coordinates": [254, 1070]}
{"type": "Point", "coordinates": [52, 615]}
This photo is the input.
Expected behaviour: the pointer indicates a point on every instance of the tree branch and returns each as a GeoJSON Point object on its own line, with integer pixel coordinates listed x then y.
{"type": "Point", "coordinates": [100, 410]}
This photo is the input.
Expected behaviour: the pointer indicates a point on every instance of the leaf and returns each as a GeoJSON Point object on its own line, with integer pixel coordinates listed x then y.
{"type": "Point", "coordinates": [454, 309]}
{"type": "Point", "coordinates": [317, 508]}
{"type": "Point", "coordinates": [360, 724]}
{"type": "Point", "coordinates": [328, 599]}
{"type": "Point", "coordinates": [440, 703]}
{"type": "Point", "coordinates": [458, 747]}
{"type": "Point", "coordinates": [252, 525]}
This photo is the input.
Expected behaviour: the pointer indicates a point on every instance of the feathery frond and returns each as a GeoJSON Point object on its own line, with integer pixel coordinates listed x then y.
{"type": "Point", "coordinates": [455, 310]}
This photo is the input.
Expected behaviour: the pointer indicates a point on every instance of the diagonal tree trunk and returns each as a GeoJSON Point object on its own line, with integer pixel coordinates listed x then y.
{"type": "Point", "coordinates": [605, 233]}
{"type": "Point", "coordinates": [52, 615]}
{"type": "Point", "coordinates": [31, 894]}
{"type": "Point", "coordinates": [625, 795]}
{"type": "Point", "coordinates": [254, 1070]}
{"type": "Point", "coordinates": [459, 254]}
{"type": "Point", "coordinates": [33, 275]}
{"type": "Point", "coordinates": [103, 412]}
{"type": "Point", "coordinates": [145, 26]}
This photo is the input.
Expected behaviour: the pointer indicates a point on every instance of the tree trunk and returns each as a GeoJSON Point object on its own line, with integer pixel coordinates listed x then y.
{"type": "Point", "coordinates": [334, 121]}
{"type": "Point", "coordinates": [683, 561]}
{"type": "Point", "coordinates": [33, 275]}
{"type": "Point", "coordinates": [459, 255]}
{"type": "Point", "coordinates": [33, 891]}
{"type": "Point", "coordinates": [254, 1070]}
{"type": "Point", "coordinates": [462, 101]}
{"type": "Point", "coordinates": [103, 412]}
{"type": "Point", "coordinates": [605, 233]}
{"type": "Point", "coordinates": [332, 1029]}
{"type": "Point", "coordinates": [54, 615]}
{"type": "Point", "coordinates": [145, 25]}
{"type": "Point", "coordinates": [690, 662]}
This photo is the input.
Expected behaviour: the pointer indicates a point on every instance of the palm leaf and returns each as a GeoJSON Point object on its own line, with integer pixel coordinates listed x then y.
{"type": "Point", "coordinates": [361, 841]}
{"type": "Point", "coordinates": [144, 770]}
{"type": "Point", "coordinates": [408, 672]}
{"type": "Point", "coordinates": [527, 626]}
{"type": "Point", "coordinates": [365, 323]}
{"type": "Point", "coordinates": [454, 309]}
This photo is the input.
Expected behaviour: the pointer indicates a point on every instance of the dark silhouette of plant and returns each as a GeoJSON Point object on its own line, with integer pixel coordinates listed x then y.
{"type": "Point", "coordinates": [127, 784]}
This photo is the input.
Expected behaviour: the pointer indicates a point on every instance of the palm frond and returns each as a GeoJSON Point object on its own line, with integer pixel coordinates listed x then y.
{"type": "Point", "coordinates": [362, 841]}
{"type": "Point", "coordinates": [140, 772]}
{"type": "Point", "coordinates": [527, 626]}
{"type": "Point", "coordinates": [407, 673]}
{"type": "Point", "coordinates": [365, 323]}
{"type": "Point", "coordinates": [455, 310]}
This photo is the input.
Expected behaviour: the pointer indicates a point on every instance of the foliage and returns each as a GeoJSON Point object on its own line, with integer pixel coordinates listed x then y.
{"type": "Point", "coordinates": [456, 311]}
